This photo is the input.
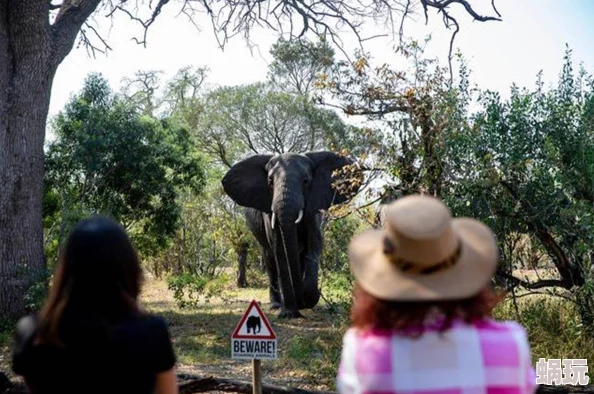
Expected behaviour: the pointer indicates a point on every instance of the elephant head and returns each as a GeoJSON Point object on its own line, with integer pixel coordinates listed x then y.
{"type": "Point", "coordinates": [288, 187]}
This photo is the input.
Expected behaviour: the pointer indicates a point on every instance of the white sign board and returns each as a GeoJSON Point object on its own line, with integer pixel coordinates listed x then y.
{"type": "Point", "coordinates": [254, 338]}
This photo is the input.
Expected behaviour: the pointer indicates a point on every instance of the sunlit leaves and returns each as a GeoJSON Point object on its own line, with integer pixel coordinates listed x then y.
{"type": "Point", "coordinates": [110, 159]}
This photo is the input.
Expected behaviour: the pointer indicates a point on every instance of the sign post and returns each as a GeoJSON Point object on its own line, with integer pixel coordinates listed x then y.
{"type": "Point", "coordinates": [256, 377]}
{"type": "Point", "coordinates": [254, 339]}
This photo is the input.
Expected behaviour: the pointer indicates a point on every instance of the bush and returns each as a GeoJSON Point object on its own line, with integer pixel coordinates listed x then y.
{"type": "Point", "coordinates": [189, 288]}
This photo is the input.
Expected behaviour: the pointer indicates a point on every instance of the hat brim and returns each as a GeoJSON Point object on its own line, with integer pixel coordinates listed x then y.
{"type": "Point", "coordinates": [380, 278]}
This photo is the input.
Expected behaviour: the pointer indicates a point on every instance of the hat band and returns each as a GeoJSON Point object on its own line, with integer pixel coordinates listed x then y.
{"type": "Point", "coordinates": [411, 267]}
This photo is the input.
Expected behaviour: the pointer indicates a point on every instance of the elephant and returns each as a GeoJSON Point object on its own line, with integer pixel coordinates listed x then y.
{"type": "Point", "coordinates": [252, 323]}
{"type": "Point", "coordinates": [283, 196]}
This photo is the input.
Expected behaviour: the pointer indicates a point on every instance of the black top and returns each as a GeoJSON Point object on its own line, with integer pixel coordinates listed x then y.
{"type": "Point", "coordinates": [122, 359]}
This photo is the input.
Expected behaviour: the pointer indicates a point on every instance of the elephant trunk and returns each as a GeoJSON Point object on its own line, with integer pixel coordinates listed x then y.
{"type": "Point", "coordinates": [289, 267]}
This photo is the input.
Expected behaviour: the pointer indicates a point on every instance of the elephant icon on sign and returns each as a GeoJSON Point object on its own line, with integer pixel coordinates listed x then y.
{"type": "Point", "coordinates": [252, 323]}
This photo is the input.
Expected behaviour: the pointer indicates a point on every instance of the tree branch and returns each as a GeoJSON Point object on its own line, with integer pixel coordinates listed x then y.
{"type": "Point", "coordinates": [91, 48]}
{"type": "Point", "coordinates": [442, 7]}
{"type": "Point", "coordinates": [322, 18]}
{"type": "Point", "coordinates": [145, 24]}
{"type": "Point", "coordinates": [72, 15]}
{"type": "Point", "coordinates": [543, 234]}
{"type": "Point", "coordinates": [541, 284]}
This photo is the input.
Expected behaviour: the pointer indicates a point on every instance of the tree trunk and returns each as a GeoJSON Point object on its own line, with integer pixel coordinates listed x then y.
{"type": "Point", "coordinates": [242, 262]}
{"type": "Point", "coordinates": [30, 51]}
{"type": "Point", "coordinates": [25, 88]}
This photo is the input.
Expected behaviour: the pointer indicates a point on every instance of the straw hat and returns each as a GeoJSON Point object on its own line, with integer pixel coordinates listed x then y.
{"type": "Point", "coordinates": [424, 254]}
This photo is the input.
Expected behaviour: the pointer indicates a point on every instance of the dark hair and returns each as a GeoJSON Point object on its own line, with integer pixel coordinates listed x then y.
{"type": "Point", "coordinates": [371, 313]}
{"type": "Point", "coordinates": [97, 280]}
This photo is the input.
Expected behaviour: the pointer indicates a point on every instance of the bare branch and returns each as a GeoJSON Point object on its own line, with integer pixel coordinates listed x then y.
{"type": "Point", "coordinates": [404, 16]}
{"type": "Point", "coordinates": [321, 17]}
{"type": "Point", "coordinates": [495, 8]}
{"type": "Point", "coordinates": [442, 6]}
{"type": "Point", "coordinates": [145, 24]}
{"type": "Point", "coordinates": [88, 43]}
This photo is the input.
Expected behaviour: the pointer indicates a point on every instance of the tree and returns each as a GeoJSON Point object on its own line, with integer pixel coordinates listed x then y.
{"type": "Point", "coordinates": [36, 35]}
{"type": "Point", "coordinates": [534, 163]}
{"type": "Point", "coordinates": [524, 166]}
{"type": "Point", "coordinates": [243, 120]}
{"type": "Point", "coordinates": [297, 64]}
{"type": "Point", "coordinates": [141, 91]}
{"type": "Point", "coordinates": [110, 159]}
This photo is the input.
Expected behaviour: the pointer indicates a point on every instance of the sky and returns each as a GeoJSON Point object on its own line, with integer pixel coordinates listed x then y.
{"type": "Point", "coordinates": [531, 37]}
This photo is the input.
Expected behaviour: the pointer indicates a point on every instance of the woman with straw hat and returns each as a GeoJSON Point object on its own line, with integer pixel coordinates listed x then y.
{"type": "Point", "coordinates": [421, 319]}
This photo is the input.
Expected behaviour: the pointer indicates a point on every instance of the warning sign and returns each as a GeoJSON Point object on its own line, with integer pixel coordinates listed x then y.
{"type": "Point", "coordinates": [253, 337]}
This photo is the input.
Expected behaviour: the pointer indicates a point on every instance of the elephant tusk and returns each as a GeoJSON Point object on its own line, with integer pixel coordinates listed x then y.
{"type": "Point", "coordinates": [299, 217]}
{"type": "Point", "coordinates": [273, 217]}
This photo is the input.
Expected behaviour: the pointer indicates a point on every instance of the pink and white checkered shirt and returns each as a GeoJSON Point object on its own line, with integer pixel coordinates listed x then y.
{"type": "Point", "coordinates": [487, 357]}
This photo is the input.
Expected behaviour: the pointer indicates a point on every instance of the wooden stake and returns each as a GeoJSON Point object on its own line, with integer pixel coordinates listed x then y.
{"type": "Point", "coordinates": [256, 377]}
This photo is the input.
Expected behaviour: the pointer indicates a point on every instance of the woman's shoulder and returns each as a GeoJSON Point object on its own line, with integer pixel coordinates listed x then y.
{"type": "Point", "coordinates": [146, 323]}
{"type": "Point", "coordinates": [145, 320]}
{"type": "Point", "coordinates": [151, 319]}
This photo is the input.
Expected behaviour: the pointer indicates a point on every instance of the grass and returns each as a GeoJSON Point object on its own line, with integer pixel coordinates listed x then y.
{"type": "Point", "coordinates": [553, 327]}
{"type": "Point", "coordinates": [309, 349]}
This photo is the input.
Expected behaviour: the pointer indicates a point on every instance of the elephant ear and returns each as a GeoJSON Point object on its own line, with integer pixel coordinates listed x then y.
{"type": "Point", "coordinates": [247, 183]}
{"type": "Point", "coordinates": [323, 194]}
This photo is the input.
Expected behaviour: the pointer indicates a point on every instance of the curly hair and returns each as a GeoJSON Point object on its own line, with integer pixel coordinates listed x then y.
{"type": "Point", "coordinates": [408, 317]}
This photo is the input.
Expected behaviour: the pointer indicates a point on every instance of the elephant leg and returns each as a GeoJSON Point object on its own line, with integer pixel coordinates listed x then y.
{"type": "Point", "coordinates": [288, 269]}
{"type": "Point", "coordinates": [311, 292]}
{"type": "Point", "coordinates": [257, 224]}
{"type": "Point", "coordinates": [311, 262]}
{"type": "Point", "coordinates": [273, 285]}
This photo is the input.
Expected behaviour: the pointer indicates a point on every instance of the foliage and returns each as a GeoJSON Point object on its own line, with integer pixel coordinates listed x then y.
{"type": "Point", "coordinates": [335, 277]}
{"type": "Point", "coordinates": [211, 231]}
{"type": "Point", "coordinates": [297, 64]}
{"type": "Point", "coordinates": [109, 159]}
{"type": "Point", "coordinates": [189, 289]}
{"type": "Point", "coordinates": [534, 156]}
{"type": "Point", "coordinates": [251, 119]}
{"type": "Point", "coordinates": [522, 165]}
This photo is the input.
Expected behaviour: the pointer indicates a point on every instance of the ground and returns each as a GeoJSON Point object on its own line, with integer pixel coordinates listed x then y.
{"type": "Point", "coordinates": [309, 349]}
